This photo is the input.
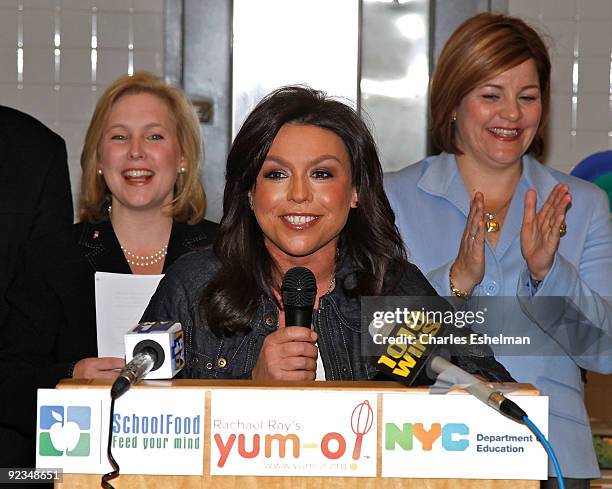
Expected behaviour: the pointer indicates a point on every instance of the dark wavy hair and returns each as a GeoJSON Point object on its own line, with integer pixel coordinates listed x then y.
{"type": "Point", "coordinates": [369, 239]}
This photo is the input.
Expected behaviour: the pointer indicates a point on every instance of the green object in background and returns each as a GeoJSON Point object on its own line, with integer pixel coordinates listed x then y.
{"type": "Point", "coordinates": [603, 451]}
{"type": "Point", "coordinates": [605, 182]}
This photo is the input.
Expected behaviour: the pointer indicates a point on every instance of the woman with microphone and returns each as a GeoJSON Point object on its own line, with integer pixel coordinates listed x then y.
{"type": "Point", "coordinates": [303, 188]}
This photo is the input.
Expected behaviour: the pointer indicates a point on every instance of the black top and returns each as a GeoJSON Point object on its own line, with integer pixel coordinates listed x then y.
{"type": "Point", "coordinates": [342, 336]}
{"type": "Point", "coordinates": [35, 196]}
{"type": "Point", "coordinates": [52, 318]}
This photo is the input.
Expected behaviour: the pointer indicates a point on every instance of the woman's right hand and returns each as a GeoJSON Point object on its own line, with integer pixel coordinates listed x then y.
{"type": "Point", "coordinates": [468, 269]}
{"type": "Point", "coordinates": [287, 354]}
{"type": "Point", "coordinates": [98, 368]}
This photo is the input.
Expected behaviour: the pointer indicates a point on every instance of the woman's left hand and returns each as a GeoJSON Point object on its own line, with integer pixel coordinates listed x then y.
{"type": "Point", "coordinates": [540, 232]}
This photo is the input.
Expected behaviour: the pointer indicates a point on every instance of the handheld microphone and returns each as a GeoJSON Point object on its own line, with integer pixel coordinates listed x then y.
{"type": "Point", "coordinates": [482, 391]}
{"type": "Point", "coordinates": [153, 350]}
{"type": "Point", "coordinates": [299, 290]}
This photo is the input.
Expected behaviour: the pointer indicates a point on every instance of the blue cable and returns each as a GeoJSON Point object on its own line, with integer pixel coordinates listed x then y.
{"type": "Point", "coordinates": [548, 449]}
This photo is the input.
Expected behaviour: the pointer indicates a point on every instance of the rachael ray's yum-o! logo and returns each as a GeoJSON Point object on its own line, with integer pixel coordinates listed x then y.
{"type": "Point", "coordinates": [64, 431]}
{"type": "Point", "coordinates": [333, 445]}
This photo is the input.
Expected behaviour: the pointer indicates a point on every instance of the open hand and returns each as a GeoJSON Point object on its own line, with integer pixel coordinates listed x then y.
{"type": "Point", "coordinates": [468, 269]}
{"type": "Point", "coordinates": [540, 232]}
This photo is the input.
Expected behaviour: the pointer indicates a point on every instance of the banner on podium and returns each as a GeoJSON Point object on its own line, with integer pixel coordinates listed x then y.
{"type": "Point", "coordinates": [293, 433]}
{"type": "Point", "coordinates": [152, 432]}
{"type": "Point", "coordinates": [457, 436]}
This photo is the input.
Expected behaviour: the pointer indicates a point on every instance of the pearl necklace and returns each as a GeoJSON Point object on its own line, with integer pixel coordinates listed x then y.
{"type": "Point", "coordinates": [146, 260]}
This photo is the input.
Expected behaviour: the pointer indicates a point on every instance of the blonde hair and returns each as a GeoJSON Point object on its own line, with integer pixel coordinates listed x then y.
{"type": "Point", "coordinates": [189, 202]}
{"type": "Point", "coordinates": [482, 48]}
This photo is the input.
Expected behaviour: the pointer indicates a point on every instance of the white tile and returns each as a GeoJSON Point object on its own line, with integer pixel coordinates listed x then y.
{"type": "Point", "coordinates": [74, 168]}
{"type": "Point", "coordinates": [149, 61]}
{"type": "Point", "coordinates": [563, 34]}
{"type": "Point", "coordinates": [559, 149]}
{"type": "Point", "coordinates": [593, 112]}
{"type": "Point", "coordinates": [76, 104]}
{"type": "Point", "coordinates": [111, 64]}
{"type": "Point", "coordinates": [149, 6]}
{"type": "Point", "coordinates": [74, 135]}
{"type": "Point", "coordinates": [40, 4]}
{"type": "Point", "coordinates": [595, 38]}
{"type": "Point", "coordinates": [589, 142]}
{"type": "Point", "coordinates": [8, 61]}
{"type": "Point", "coordinates": [38, 65]}
{"type": "Point", "coordinates": [561, 74]}
{"type": "Point", "coordinates": [594, 75]}
{"type": "Point", "coordinates": [38, 28]}
{"type": "Point", "coordinates": [561, 112]}
{"type": "Point", "coordinates": [524, 8]}
{"type": "Point", "coordinates": [10, 95]}
{"type": "Point", "coordinates": [558, 9]}
{"type": "Point", "coordinates": [148, 31]}
{"type": "Point", "coordinates": [594, 9]}
{"type": "Point", "coordinates": [113, 30]}
{"type": "Point", "coordinates": [78, 4]}
{"type": "Point", "coordinates": [75, 29]}
{"type": "Point", "coordinates": [41, 102]}
{"type": "Point", "coordinates": [8, 27]}
{"type": "Point", "coordinates": [565, 168]}
{"type": "Point", "coordinates": [75, 66]}
{"type": "Point", "coordinates": [114, 5]}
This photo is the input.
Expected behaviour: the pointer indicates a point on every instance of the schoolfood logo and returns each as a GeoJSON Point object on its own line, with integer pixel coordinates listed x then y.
{"type": "Point", "coordinates": [64, 430]}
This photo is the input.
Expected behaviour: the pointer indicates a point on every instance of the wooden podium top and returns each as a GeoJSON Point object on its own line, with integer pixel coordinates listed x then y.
{"type": "Point", "coordinates": [283, 482]}
{"type": "Point", "coordinates": [378, 386]}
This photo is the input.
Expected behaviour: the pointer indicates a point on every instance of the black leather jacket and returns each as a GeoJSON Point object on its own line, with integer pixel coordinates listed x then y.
{"type": "Point", "coordinates": [337, 323]}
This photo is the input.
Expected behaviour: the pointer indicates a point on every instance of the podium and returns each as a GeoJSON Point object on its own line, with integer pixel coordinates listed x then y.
{"type": "Point", "coordinates": [248, 391]}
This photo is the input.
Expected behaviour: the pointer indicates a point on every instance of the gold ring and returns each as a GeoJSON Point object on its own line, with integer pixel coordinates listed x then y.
{"type": "Point", "coordinates": [563, 229]}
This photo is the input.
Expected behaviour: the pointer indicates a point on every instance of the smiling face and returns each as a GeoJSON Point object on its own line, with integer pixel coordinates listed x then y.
{"type": "Point", "coordinates": [139, 153]}
{"type": "Point", "coordinates": [303, 193]}
{"type": "Point", "coordinates": [497, 121]}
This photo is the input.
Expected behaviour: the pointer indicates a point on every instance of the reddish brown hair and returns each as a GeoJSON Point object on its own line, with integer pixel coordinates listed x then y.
{"type": "Point", "coordinates": [482, 48]}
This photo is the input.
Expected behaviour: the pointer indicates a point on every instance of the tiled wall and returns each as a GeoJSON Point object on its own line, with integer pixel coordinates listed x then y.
{"type": "Point", "coordinates": [56, 56]}
{"type": "Point", "coordinates": [580, 34]}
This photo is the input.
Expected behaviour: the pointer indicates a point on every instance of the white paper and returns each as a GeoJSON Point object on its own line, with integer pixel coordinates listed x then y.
{"type": "Point", "coordinates": [121, 299]}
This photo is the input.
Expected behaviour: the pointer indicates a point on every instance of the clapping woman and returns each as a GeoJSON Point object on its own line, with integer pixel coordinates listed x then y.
{"type": "Point", "coordinates": [486, 219]}
{"type": "Point", "coordinates": [141, 207]}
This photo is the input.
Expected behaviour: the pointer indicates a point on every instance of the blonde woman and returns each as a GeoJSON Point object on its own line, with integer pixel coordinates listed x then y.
{"type": "Point", "coordinates": [141, 207]}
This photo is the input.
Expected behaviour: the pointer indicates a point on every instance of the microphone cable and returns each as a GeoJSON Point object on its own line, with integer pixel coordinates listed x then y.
{"type": "Point", "coordinates": [547, 446]}
{"type": "Point", "coordinates": [115, 472]}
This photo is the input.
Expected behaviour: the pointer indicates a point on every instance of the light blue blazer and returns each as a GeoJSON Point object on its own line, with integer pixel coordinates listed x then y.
{"type": "Point", "coordinates": [431, 205]}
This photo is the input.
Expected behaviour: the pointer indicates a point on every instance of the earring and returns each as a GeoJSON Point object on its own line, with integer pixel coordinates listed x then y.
{"type": "Point", "coordinates": [99, 171]}
{"type": "Point", "coordinates": [454, 117]}
{"type": "Point", "coordinates": [182, 169]}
